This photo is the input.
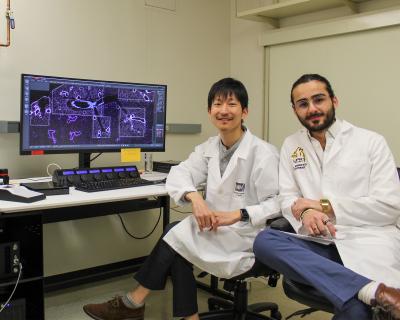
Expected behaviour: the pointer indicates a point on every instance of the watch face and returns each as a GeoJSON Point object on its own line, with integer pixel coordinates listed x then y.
{"type": "Point", "coordinates": [324, 204]}
{"type": "Point", "coordinates": [244, 215]}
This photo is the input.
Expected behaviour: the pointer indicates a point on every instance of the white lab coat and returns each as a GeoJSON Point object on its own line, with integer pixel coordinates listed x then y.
{"type": "Point", "coordinates": [250, 181]}
{"type": "Point", "coordinates": [359, 178]}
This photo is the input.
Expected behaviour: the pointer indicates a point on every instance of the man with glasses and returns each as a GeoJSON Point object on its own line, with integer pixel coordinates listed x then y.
{"type": "Point", "coordinates": [337, 182]}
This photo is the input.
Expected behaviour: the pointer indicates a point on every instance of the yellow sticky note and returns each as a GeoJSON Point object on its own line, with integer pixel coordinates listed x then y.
{"type": "Point", "coordinates": [130, 155]}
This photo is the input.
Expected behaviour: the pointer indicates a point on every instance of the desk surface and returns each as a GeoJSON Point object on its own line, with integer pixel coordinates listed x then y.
{"type": "Point", "coordinates": [76, 198]}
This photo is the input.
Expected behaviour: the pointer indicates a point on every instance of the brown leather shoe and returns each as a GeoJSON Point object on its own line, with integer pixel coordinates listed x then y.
{"type": "Point", "coordinates": [113, 310]}
{"type": "Point", "coordinates": [388, 299]}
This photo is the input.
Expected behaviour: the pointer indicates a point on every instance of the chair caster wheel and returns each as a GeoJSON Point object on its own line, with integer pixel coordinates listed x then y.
{"type": "Point", "coordinates": [276, 315]}
{"type": "Point", "coordinates": [213, 306]}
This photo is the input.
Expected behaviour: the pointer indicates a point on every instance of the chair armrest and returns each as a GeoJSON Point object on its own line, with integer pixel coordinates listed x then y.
{"type": "Point", "coordinates": [281, 224]}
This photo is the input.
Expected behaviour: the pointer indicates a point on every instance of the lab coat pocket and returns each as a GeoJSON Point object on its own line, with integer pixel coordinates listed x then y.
{"type": "Point", "coordinates": [359, 170]}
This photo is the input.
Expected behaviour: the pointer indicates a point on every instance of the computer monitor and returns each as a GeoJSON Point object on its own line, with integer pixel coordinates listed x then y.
{"type": "Point", "coordinates": [66, 115]}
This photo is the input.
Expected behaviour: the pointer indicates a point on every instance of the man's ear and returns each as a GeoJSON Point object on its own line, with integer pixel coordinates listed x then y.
{"type": "Point", "coordinates": [335, 102]}
{"type": "Point", "coordinates": [245, 112]}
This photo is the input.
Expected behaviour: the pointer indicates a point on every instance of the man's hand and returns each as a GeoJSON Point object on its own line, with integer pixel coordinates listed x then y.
{"type": "Point", "coordinates": [318, 223]}
{"type": "Point", "coordinates": [225, 218]}
{"type": "Point", "coordinates": [204, 216]}
{"type": "Point", "coordinates": [302, 204]}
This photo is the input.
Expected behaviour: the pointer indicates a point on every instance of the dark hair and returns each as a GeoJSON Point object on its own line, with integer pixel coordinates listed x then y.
{"type": "Point", "coordinates": [226, 87]}
{"type": "Point", "coordinates": [311, 77]}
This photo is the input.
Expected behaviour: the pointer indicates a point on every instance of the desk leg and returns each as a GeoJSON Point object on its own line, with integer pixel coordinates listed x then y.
{"type": "Point", "coordinates": [165, 207]}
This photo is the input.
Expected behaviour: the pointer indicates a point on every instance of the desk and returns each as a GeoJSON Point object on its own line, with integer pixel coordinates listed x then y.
{"type": "Point", "coordinates": [24, 223]}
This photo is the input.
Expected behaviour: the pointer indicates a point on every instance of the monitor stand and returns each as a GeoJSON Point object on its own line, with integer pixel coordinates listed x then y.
{"type": "Point", "coordinates": [84, 159]}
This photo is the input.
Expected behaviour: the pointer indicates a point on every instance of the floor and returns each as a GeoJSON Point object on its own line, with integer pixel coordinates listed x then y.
{"type": "Point", "coordinates": [67, 304]}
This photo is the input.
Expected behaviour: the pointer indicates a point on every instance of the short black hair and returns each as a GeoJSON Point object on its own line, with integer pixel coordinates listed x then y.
{"type": "Point", "coordinates": [226, 87]}
{"type": "Point", "coordinates": [311, 77]}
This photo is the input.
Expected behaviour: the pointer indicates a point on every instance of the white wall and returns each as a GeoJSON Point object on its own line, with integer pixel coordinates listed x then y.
{"type": "Point", "coordinates": [112, 40]}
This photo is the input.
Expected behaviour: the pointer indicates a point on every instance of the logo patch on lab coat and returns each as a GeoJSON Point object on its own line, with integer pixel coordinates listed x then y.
{"type": "Point", "coordinates": [299, 158]}
{"type": "Point", "coordinates": [239, 188]}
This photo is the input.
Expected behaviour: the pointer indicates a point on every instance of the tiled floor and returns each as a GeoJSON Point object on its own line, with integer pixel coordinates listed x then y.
{"type": "Point", "coordinates": [67, 304]}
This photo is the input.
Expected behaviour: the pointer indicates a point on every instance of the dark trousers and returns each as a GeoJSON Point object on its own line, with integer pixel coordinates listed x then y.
{"type": "Point", "coordinates": [315, 265]}
{"type": "Point", "coordinates": [162, 262]}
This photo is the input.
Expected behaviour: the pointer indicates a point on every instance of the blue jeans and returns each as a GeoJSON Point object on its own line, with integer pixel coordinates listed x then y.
{"type": "Point", "coordinates": [315, 265]}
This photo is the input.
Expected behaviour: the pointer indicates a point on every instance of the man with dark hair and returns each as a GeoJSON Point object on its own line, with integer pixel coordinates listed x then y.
{"type": "Point", "coordinates": [240, 172]}
{"type": "Point", "coordinates": [337, 182]}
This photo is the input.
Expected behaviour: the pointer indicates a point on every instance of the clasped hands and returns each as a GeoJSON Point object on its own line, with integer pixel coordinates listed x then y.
{"type": "Point", "coordinates": [314, 220]}
{"type": "Point", "coordinates": [207, 219]}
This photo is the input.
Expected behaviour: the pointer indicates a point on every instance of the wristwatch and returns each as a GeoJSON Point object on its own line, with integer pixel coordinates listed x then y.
{"type": "Point", "coordinates": [325, 204]}
{"type": "Point", "coordinates": [244, 215]}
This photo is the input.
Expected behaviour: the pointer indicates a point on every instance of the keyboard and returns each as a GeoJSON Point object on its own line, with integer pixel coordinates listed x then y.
{"type": "Point", "coordinates": [103, 185]}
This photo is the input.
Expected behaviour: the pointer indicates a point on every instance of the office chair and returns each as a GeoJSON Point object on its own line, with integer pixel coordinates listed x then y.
{"type": "Point", "coordinates": [237, 308]}
{"type": "Point", "coordinates": [299, 292]}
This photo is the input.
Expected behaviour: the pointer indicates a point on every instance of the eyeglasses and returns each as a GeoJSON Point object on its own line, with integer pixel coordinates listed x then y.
{"type": "Point", "coordinates": [316, 100]}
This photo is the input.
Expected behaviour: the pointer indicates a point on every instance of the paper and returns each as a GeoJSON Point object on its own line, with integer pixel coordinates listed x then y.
{"type": "Point", "coordinates": [130, 155]}
{"type": "Point", "coordinates": [326, 240]}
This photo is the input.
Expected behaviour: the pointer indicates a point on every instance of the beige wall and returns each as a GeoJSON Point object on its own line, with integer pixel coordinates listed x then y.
{"type": "Point", "coordinates": [123, 41]}
{"type": "Point", "coordinates": [247, 63]}
{"type": "Point", "coordinates": [112, 40]}
{"type": "Point", "coordinates": [365, 81]}
{"type": "Point", "coordinates": [363, 69]}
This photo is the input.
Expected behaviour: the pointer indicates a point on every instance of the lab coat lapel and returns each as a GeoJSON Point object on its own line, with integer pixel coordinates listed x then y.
{"type": "Point", "coordinates": [311, 156]}
{"type": "Point", "coordinates": [212, 152]}
{"type": "Point", "coordinates": [339, 142]}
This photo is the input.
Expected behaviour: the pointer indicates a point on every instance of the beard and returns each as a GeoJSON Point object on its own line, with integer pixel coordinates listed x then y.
{"type": "Point", "coordinates": [329, 120]}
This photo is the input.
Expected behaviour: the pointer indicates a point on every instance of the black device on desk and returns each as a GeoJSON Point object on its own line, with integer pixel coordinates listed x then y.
{"type": "Point", "coordinates": [48, 188]}
{"type": "Point", "coordinates": [17, 193]}
{"type": "Point", "coordinates": [100, 179]}
{"type": "Point", "coordinates": [164, 166]}
{"type": "Point", "coordinates": [94, 186]}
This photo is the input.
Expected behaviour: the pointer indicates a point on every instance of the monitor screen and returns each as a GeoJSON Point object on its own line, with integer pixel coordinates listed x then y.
{"type": "Point", "coordinates": [65, 115]}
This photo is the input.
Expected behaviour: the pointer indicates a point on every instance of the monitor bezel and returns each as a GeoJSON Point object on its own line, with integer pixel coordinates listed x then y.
{"type": "Point", "coordinates": [85, 150]}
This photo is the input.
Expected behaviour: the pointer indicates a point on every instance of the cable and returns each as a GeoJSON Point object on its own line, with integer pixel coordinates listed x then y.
{"type": "Point", "coordinates": [52, 164]}
{"type": "Point", "coordinates": [38, 179]}
{"type": "Point", "coordinates": [135, 237]}
{"type": "Point", "coordinates": [184, 212]}
{"type": "Point", "coordinates": [15, 287]}
{"type": "Point", "coordinates": [95, 157]}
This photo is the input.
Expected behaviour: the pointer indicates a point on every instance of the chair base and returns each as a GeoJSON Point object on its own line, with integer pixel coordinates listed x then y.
{"type": "Point", "coordinates": [236, 307]}
{"type": "Point", "coordinates": [224, 309]}
{"type": "Point", "coordinates": [306, 295]}
{"type": "Point", "coordinates": [231, 315]}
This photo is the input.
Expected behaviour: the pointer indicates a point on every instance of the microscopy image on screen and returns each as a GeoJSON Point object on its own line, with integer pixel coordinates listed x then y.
{"type": "Point", "coordinates": [67, 114]}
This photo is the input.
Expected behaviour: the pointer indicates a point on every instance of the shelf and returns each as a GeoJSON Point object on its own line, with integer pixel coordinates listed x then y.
{"type": "Point", "coordinates": [290, 8]}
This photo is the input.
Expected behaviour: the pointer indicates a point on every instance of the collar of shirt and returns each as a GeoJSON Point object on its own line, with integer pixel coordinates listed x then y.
{"type": "Point", "coordinates": [225, 154]}
{"type": "Point", "coordinates": [330, 135]}
{"type": "Point", "coordinates": [332, 131]}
